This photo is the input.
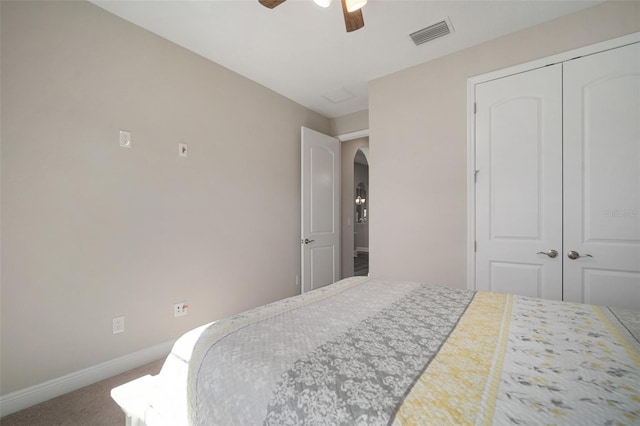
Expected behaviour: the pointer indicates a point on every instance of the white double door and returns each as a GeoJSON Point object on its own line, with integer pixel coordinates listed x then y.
{"type": "Point", "coordinates": [558, 181]}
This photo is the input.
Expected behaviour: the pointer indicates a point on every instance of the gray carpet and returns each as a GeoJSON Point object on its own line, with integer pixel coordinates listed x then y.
{"type": "Point", "coordinates": [89, 406]}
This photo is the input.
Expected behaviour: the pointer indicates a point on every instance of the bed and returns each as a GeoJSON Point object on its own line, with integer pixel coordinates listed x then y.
{"type": "Point", "coordinates": [374, 352]}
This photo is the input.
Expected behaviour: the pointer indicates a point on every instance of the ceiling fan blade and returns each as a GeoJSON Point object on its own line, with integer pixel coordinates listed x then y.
{"type": "Point", "coordinates": [271, 3]}
{"type": "Point", "coordinates": [352, 20]}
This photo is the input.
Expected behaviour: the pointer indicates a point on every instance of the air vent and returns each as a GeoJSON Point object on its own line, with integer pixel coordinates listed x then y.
{"type": "Point", "coordinates": [432, 32]}
{"type": "Point", "coordinates": [339, 95]}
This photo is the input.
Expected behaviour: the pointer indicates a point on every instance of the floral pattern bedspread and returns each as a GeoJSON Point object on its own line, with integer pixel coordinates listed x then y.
{"type": "Point", "coordinates": [373, 352]}
{"type": "Point", "coordinates": [523, 361]}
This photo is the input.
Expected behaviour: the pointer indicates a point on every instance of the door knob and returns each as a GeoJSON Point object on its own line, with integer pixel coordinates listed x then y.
{"type": "Point", "coordinates": [307, 241]}
{"type": "Point", "coordinates": [551, 253]}
{"type": "Point", "coordinates": [573, 255]}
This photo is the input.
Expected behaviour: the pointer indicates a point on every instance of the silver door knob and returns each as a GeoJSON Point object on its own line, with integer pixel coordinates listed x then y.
{"type": "Point", "coordinates": [573, 255]}
{"type": "Point", "coordinates": [551, 253]}
{"type": "Point", "coordinates": [307, 241]}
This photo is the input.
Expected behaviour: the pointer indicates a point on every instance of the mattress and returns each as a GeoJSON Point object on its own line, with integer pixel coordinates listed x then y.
{"type": "Point", "coordinates": [377, 352]}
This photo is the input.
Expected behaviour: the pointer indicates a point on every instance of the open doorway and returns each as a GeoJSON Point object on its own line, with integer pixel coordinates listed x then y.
{"type": "Point", "coordinates": [348, 249]}
{"type": "Point", "coordinates": [362, 214]}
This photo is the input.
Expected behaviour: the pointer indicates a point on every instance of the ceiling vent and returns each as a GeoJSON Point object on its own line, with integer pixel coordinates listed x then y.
{"type": "Point", "coordinates": [432, 32]}
{"type": "Point", "coordinates": [339, 95]}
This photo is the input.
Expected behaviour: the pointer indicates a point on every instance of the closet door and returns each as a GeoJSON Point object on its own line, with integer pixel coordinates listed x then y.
{"type": "Point", "coordinates": [602, 178]}
{"type": "Point", "coordinates": [519, 184]}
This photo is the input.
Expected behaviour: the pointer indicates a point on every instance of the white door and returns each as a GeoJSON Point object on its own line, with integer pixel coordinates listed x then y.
{"type": "Point", "coordinates": [602, 178]}
{"type": "Point", "coordinates": [519, 184]}
{"type": "Point", "coordinates": [320, 237]}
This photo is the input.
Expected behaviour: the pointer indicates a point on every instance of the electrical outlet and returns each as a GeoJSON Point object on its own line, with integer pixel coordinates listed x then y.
{"type": "Point", "coordinates": [180, 309]}
{"type": "Point", "coordinates": [118, 325]}
{"type": "Point", "coordinates": [125, 139]}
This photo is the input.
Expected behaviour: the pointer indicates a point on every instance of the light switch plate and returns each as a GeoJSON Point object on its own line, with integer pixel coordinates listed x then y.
{"type": "Point", "coordinates": [182, 150]}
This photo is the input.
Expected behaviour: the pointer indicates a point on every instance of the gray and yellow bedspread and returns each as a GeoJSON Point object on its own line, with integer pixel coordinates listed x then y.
{"type": "Point", "coordinates": [371, 352]}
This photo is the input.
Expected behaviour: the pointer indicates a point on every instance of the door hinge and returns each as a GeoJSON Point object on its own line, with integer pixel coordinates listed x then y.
{"type": "Point", "coordinates": [475, 175]}
{"type": "Point", "coordinates": [475, 108]}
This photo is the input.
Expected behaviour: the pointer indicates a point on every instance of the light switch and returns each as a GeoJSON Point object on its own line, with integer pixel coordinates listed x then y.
{"type": "Point", "coordinates": [182, 150]}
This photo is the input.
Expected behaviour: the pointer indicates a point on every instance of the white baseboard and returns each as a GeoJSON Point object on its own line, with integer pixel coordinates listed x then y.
{"type": "Point", "coordinates": [19, 400]}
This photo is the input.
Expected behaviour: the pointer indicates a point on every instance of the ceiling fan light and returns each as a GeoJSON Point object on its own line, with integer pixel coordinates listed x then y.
{"type": "Point", "coordinates": [322, 3]}
{"type": "Point", "coordinates": [353, 5]}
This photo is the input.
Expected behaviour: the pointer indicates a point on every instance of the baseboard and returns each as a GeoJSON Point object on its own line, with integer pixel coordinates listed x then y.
{"type": "Point", "coordinates": [362, 249]}
{"type": "Point", "coordinates": [19, 400]}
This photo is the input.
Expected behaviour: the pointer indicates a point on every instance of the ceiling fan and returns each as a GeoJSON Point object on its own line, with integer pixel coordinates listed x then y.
{"type": "Point", "coordinates": [353, 19]}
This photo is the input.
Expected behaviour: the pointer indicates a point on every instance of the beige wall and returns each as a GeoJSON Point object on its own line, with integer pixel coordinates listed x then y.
{"type": "Point", "coordinates": [91, 230]}
{"type": "Point", "coordinates": [418, 142]}
{"type": "Point", "coordinates": [348, 151]}
{"type": "Point", "coordinates": [350, 123]}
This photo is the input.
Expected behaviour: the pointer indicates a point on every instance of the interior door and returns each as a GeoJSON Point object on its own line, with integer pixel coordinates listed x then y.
{"type": "Point", "coordinates": [320, 237]}
{"type": "Point", "coordinates": [519, 184]}
{"type": "Point", "coordinates": [602, 178]}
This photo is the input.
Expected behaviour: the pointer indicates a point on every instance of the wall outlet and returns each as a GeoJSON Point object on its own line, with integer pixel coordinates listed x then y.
{"type": "Point", "coordinates": [118, 325]}
{"type": "Point", "coordinates": [180, 309]}
{"type": "Point", "coordinates": [125, 139]}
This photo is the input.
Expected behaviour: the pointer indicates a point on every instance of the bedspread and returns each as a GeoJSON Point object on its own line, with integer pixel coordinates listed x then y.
{"type": "Point", "coordinates": [373, 352]}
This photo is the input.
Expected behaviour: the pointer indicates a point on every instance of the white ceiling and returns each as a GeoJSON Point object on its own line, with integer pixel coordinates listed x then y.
{"type": "Point", "coordinates": [303, 52]}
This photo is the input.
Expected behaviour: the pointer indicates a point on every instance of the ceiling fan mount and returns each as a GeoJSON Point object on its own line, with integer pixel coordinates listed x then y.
{"type": "Point", "coordinates": [351, 9]}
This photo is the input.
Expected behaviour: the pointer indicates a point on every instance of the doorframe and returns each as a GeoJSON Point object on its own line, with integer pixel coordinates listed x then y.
{"type": "Point", "coordinates": [471, 146]}
{"type": "Point", "coordinates": [345, 137]}
{"type": "Point", "coordinates": [365, 152]}
{"type": "Point", "coordinates": [364, 133]}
